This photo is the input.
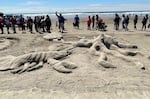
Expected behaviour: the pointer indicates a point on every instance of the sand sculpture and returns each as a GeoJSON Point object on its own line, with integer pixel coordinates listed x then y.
{"type": "Point", "coordinates": [6, 42]}
{"type": "Point", "coordinates": [102, 46]}
{"type": "Point", "coordinates": [105, 45]}
{"type": "Point", "coordinates": [36, 60]}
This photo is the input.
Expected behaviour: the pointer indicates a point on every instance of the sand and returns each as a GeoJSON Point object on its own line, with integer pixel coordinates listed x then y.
{"type": "Point", "coordinates": [88, 81]}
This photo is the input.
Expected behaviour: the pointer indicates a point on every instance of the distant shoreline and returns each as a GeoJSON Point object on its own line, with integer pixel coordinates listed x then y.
{"type": "Point", "coordinates": [83, 14]}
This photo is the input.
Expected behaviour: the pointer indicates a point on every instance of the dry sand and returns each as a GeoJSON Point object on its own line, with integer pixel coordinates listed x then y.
{"type": "Point", "coordinates": [88, 81]}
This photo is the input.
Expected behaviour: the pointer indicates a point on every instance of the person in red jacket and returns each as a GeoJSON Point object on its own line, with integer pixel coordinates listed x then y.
{"type": "Point", "coordinates": [89, 21]}
{"type": "Point", "coordinates": [1, 25]}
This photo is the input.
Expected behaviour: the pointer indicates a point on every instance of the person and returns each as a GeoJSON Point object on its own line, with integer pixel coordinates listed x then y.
{"type": "Point", "coordinates": [13, 23]}
{"type": "Point", "coordinates": [135, 21]}
{"type": "Point", "coordinates": [76, 21]}
{"type": "Point", "coordinates": [123, 21]}
{"type": "Point", "coordinates": [1, 25]}
{"type": "Point", "coordinates": [97, 18]}
{"type": "Point", "coordinates": [61, 22]}
{"type": "Point", "coordinates": [93, 22]}
{"type": "Point", "coordinates": [144, 22]}
{"type": "Point", "coordinates": [42, 23]}
{"type": "Point", "coordinates": [26, 22]}
{"type": "Point", "coordinates": [30, 24]}
{"type": "Point", "coordinates": [101, 25]}
{"type": "Point", "coordinates": [36, 23]}
{"type": "Point", "coordinates": [149, 24]}
{"type": "Point", "coordinates": [48, 24]}
{"type": "Point", "coordinates": [89, 21]}
{"type": "Point", "coordinates": [22, 23]}
{"type": "Point", "coordinates": [116, 21]}
{"type": "Point", "coordinates": [18, 23]}
{"type": "Point", "coordinates": [126, 23]}
{"type": "Point", "coordinates": [7, 23]}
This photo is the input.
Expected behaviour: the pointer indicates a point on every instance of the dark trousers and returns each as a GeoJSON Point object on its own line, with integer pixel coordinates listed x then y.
{"type": "Point", "coordinates": [117, 26]}
{"type": "Point", "coordinates": [36, 28]}
{"type": "Point", "coordinates": [7, 26]}
{"type": "Point", "coordinates": [48, 28]}
{"type": "Point", "coordinates": [135, 25]}
{"type": "Point", "coordinates": [30, 28]}
{"type": "Point", "coordinates": [144, 26]}
{"type": "Point", "coordinates": [1, 27]}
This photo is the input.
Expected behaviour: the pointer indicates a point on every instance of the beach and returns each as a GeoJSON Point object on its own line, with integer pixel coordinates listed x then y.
{"type": "Point", "coordinates": [88, 81]}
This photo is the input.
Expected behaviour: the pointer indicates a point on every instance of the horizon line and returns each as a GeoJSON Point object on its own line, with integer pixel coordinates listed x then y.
{"type": "Point", "coordinates": [123, 11]}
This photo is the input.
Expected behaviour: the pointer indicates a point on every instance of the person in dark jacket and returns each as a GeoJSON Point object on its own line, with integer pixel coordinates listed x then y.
{"type": "Point", "coordinates": [30, 24]}
{"type": "Point", "coordinates": [36, 23]}
{"type": "Point", "coordinates": [61, 21]}
{"type": "Point", "coordinates": [48, 24]}
{"type": "Point", "coordinates": [123, 21]}
{"type": "Point", "coordinates": [135, 21]}
{"type": "Point", "coordinates": [22, 22]}
{"type": "Point", "coordinates": [97, 19]}
{"type": "Point", "coordinates": [76, 21]}
{"type": "Point", "coordinates": [42, 23]}
{"type": "Point", "coordinates": [126, 23]}
{"type": "Point", "coordinates": [117, 21]}
{"type": "Point", "coordinates": [144, 22]}
{"type": "Point", "coordinates": [93, 22]}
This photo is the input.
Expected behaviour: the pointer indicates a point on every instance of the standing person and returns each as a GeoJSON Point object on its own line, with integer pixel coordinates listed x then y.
{"type": "Point", "coordinates": [36, 23]}
{"type": "Point", "coordinates": [89, 21]}
{"type": "Point", "coordinates": [22, 23]}
{"type": "Point", "coordinates": [1, 25]}
{"type": "Point", "coordinates": [7, 23]}
{"type": "Point", "coordinates": [97, 19]}
{"type": "Point", "coordinates": [144, 22]}
{"type": "Point", "coordinates": [116, 21]}
{"type": "Point", "coordinates": [149, 24]}
{"type": "Point", "coordinates": [30, 24]}
{"type": "Point", "coordinates": [18, 23]}
{"type": "Point", "coordinates": [27, 23]}
{"type": "Point", "coordinates": [123, 21]}
{"type": "Point", "coordinates": [93, 22]}
{"type": "Point", "coordinates": [126, 23]}
{"type": "Point", "coordinates": [42, 23]}
{"type": "Point", "coordinates": [13, 23]}
{"type": "Point", "coordinates": [76, 21]}
{"type": "Point", "coordinates": [135, 21]}
{"type": "Point", "coordinates": [61, 21]}
{"type": "Point", "coordinates": [48, 24]}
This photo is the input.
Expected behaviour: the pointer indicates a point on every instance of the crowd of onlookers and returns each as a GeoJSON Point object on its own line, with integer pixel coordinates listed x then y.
{"type": "Point", "coordinates": [125, 22]}
{"type": "Point", "coordinates": [43, 23]}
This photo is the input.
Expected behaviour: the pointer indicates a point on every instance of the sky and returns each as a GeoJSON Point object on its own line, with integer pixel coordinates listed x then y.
{"type": "Point", "coordinates": [39, 6]}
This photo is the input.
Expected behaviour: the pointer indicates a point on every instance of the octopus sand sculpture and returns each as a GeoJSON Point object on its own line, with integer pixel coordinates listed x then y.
{"type": "Point", "coordinates": [102, 46]}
